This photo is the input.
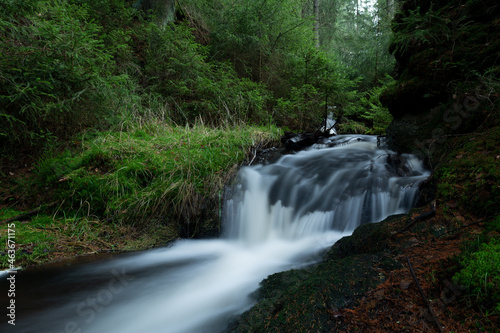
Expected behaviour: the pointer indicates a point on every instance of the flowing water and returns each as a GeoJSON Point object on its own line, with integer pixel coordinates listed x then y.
{"type": "Point", "coordinates": [279, 216]}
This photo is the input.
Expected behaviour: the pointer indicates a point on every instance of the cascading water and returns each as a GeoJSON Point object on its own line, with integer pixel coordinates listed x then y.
{"type": "Point", "coordinates": [278, 215]}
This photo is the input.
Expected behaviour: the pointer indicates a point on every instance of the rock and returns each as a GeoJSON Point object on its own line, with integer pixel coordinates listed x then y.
{"type": "Point", "coordinates": [368, 238]}
{"type": "Point", "coordinates": [397, 164]}
{"type": "Point", "coordinates": [293, 142]}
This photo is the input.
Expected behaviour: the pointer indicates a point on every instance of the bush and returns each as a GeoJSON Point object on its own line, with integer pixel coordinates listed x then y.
{"type": "Point", "coordinates": [177, 69]}
{"type": "Point", "coordinates": [304, 108]}
{"type": "Point", "coordinates": [376, 114]}
{"type": "Point", "coordinates": [64, 80]}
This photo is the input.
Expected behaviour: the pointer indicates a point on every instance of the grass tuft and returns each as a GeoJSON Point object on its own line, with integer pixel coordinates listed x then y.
{"type": "Point", "coordinates": [152, 171]}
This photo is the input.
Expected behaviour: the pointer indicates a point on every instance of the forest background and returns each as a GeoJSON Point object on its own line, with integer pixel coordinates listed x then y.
{"type": "Point", "coordinates": [132, 112]}
{"type": "Point", "coordinates": [121, 121]}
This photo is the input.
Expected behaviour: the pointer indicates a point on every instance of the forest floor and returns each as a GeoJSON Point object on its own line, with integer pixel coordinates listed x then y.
{"type": "Point", "coordinates": [427, 301]}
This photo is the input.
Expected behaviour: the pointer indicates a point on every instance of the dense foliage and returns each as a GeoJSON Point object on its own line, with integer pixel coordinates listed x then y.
{"type": "Point", "coordinates": [67, 66]}
{"type": "Point", "coordinates": [134, 112]}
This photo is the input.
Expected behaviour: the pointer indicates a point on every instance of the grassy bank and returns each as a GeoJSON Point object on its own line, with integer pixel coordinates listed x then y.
{"type": "Point", "coordinates": [132, 189]}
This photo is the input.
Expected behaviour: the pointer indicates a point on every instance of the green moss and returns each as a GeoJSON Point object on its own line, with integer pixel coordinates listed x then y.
{"type": "Point", "coordinates": [480, 270]}
{"type": "Point", "coordinates": [30, 244]}
{"type": "Point", "coordinates": [303, 300]}
{"type": "Point", "coordinates": [368, 238]}
{"type": "Point", "coordinates": [471, 175]}
{"type": "Point", "coordinates": [43, 238]}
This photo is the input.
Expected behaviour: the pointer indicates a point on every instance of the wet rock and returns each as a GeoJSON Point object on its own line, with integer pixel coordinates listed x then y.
{"type": "Point", "coordinates": [313, 298]}
{"type": "Point", "coordinates": [265, 156]}
{"type": "Point", "coordinates": [310, 299]}
{"type": "Point", "coordinates": [293, 142]}
{"type": "Point", "coordinates": [397, 164]}
{"type": "Point", "coordinates": [368, 238]}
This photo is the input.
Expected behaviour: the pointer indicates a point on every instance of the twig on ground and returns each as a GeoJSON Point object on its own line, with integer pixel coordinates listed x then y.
{"type": "Point", "coordinates": [427, 304]}
{"type": "Point", "coordinates": [421, 217]}
{"type": "Point", "coordinates": [28, 214]}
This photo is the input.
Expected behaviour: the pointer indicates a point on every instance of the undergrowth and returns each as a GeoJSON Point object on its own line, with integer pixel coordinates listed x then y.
{"type": "Point", "coordinates": [471, 176]}
{"type": "Point", "coordinates": [151, 172]}
{"type": "Point", "coordinates": [468, 181]}
{"type": "Point", "coordinates": [144, 186]}
{"type": "Point", "coordinates": [47, 238]}
{"type": "Point", "coordinates": [479, 270]}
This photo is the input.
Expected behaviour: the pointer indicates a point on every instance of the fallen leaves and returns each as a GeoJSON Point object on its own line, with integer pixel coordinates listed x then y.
{"type": "Point", "coordinates": [405, 284]}
{"type": "Point", "coordinates": [397, 305]}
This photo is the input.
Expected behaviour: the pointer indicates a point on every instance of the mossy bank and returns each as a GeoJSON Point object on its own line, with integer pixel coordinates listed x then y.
{"type": "Point", "coordinates": [124, 190]}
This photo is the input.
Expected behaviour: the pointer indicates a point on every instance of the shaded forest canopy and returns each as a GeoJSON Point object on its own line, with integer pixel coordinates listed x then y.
{"type": "Point", "coordinates": [72, 65]}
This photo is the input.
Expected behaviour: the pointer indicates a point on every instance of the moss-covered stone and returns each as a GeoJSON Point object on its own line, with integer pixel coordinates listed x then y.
{"type": "Point", "coordinates": [470, 176]}
{"type": "Point", "coordinates": [309, 299]}
{"type": "Point", "coordinates": [369, 238]}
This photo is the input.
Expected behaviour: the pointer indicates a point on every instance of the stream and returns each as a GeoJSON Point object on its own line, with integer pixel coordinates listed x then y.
{"type": "Point", "coordinates": [279, 216]}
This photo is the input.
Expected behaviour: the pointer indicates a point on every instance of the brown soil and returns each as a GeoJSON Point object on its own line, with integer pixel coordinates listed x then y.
{"type": "Point", "coordinates": [431, 302]}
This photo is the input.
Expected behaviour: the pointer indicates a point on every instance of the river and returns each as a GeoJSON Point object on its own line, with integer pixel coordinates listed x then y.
{"type": "Point", "coordinates": [279, 216]}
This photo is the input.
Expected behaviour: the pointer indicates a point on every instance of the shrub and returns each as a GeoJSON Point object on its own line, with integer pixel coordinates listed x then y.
{"type": "Point", "coordinates": [62, 83]}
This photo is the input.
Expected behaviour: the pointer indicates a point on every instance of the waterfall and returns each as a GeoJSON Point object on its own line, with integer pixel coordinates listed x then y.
{"type": "Point", "coordinates": [334, 186]}
{"type": "Point", "coordinates": [279, 216]}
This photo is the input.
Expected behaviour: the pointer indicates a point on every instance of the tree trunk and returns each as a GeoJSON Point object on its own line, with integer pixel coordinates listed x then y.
{"type": "Point", "coordinates": [316, 23]}
{"type": "Point", "coordinates": [377, 46]}
{"type": "Point", "coordinates": [163, 9]}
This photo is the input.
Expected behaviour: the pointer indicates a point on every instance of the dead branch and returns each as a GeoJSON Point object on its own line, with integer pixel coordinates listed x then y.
{"type": "Point", "coordinates": [254, 154]}
{"type": "Point", "coordinates": [28, 214]}
{"type": "Point", "coordinates": [434, 318]}
{"type": "Point", "coordinates": [421, 217]}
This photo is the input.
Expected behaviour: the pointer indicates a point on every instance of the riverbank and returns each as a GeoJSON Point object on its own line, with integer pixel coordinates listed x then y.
{"type": "Point", "coordinates": [128, 190]}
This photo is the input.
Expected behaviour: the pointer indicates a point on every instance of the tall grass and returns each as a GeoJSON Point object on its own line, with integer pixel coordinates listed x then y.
{"type": "Point", "coordinates": [152, 172]}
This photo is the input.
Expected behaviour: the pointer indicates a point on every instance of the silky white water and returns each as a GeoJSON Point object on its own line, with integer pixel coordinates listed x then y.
{"type": "Point", "coordinates": [279, 216]}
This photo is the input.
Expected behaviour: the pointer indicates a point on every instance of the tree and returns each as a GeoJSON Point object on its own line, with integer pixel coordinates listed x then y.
{"type": "Point", "coordinates": [316, 22]}
{"type": "Point", "coordinates": [164, 10]}
{"type": "Point", "coordinates": [357, 32]}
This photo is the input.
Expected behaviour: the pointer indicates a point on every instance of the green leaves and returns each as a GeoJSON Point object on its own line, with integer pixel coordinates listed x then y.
{"type": "Point", "coordinates": [177, 68]}
{"type": "Point", "coordinates": [62, 55]}
{"type": "Point", "coordinates": [304, 108]}
{"type": "Point", "coordinates": [375, 112]}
